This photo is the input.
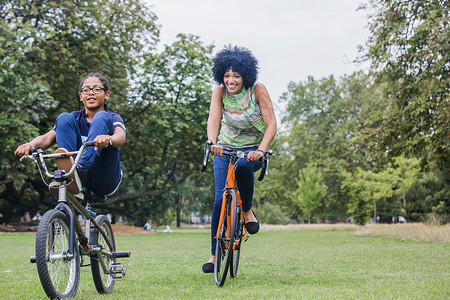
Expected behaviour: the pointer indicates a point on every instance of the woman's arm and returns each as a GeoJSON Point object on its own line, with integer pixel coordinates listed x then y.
{"type": "Point", "coordinates": [215, 116]}
{"type": "Point", "coordinates": [268, 114]}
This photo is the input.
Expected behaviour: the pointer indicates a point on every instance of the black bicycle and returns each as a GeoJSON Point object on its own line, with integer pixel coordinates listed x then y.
{"type": "Point", "coordinates": [61, 242]}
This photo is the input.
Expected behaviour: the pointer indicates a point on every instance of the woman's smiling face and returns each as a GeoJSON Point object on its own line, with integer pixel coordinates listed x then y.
{"type": "Point", "coordinates": [233, 81]}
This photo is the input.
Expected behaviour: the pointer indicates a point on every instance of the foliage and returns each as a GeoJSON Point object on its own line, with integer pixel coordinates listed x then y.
{"type": "Point", "coordinates": [360, 189]}
{"type": "Point", "coordinates": [317, 128]}
{"type": "Point", "coordinates": [409, 52]}
{"type": "Point", "coordinates": [168, 114]}
{"type": "Point", "coordinates": [271, 213]}
{"type": "Point", "coordinates": [162, 97]}
{"type": "Point", "coordinates": [384, 188]}
{"type": "Point", "coordinates": [310, 190]}
{"type": "Point", "coordinates": [427, 192]}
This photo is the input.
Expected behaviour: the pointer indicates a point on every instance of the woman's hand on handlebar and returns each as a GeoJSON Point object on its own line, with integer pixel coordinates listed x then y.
{"type": "Point", "coordinates": [217, 150]}
{"type": "Point", "coordinates": [254, 155]}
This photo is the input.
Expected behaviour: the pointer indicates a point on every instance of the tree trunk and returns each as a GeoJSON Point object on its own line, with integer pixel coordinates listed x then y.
{"type": "Point", "coordinates": [178, 212]}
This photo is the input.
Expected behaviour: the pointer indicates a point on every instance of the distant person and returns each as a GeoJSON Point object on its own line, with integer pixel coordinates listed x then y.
{"type": "Point", "coordinates": [148, 226]}
{"type": "Point", "coordinates": [99, 169]}
{"type": "Point", "coordinates": [242, 110]}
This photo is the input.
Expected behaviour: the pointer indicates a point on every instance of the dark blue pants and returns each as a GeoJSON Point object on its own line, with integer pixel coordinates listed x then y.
{"type": "Point", "coordinates": [105, 170]}
{"type": "Point", "coordinates": [245, 180]}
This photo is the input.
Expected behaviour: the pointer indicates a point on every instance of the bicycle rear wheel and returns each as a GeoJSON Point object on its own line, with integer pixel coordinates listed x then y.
{"type": "Point", "coordinates": [224, 249]}
{"type": "Point", "coordinates": [104, 282]}
{"type": "Point", "coordinates": [58, 270]}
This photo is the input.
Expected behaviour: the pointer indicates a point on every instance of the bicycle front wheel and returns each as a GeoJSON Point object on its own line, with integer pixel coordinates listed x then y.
{"type": "Point", "coordinates": [59, 271]}
{"type": "Point", "coordinates": [224, 246]}
{"type": "Point", "coordinates": [104, 282]}
{"type": "Point", "coordinates": [237, 244]}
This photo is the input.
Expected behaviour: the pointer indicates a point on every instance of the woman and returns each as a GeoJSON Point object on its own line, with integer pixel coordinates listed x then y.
{"type": "Point", "coordinates": [99, 168]}
{"type": "Point", "coordinates": [243, 111]}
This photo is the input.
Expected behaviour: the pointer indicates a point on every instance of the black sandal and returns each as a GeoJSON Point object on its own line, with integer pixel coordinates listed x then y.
{"type": "Point", "coordinates": [208, 267]}
{"type": "Point", "coordinates": [252, 227]}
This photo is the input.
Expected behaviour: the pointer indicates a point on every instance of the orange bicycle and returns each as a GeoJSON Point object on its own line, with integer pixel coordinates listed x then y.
{"type": "Point", "coordinates": [231, 231]}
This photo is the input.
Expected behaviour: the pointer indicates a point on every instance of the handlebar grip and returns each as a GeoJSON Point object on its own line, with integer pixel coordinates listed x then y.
{"type": "Point", "coordinates": [30, 152]}
{"type": "Point", "coordinates": [206, 152]}
{"type": "Point", "coordinates": [263, 168]}
{"type": "Point", "coordinates": [89, 144]}
{"type": "Point", "coordinates": [205, 159]}
{"type": "Point", "coordinates": [265, 163]}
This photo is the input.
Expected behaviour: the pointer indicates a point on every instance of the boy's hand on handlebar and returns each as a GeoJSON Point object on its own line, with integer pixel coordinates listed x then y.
{"type": "Point", "coordinates": [102, 141]}
{"type": "Point", "coordinates": [23, 150]}
{"type": "Point", "coordinates": [254, 155]}
{"type": "Point", "coordinates": [217, 150]}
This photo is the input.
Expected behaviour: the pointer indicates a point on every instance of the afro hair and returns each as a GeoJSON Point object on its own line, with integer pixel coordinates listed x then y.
{"type": "Point", "coordinates": [240, 60]}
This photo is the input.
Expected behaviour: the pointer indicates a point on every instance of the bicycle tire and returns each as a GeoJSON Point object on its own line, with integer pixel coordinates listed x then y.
{"type": "Point", "coordinates": [58, 273]}
{"type": "Point", "coordinates": [224, 250]}
{"type": "Point", "coordinates": [104, 282]}
{"type": "Point", "coordinates": [237, 238]}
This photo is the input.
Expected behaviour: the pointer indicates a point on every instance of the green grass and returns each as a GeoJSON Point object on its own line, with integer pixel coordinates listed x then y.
{"type": "Point", "coordinates": [274, 265]}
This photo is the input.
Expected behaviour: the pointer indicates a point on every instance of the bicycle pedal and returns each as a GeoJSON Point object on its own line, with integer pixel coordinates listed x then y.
{"type": "Point", "coordinates": [117, 271]}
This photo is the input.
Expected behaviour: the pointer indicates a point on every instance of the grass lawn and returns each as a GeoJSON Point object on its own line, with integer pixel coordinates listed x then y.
{"type": "Point", "coordinates": [274, 265]}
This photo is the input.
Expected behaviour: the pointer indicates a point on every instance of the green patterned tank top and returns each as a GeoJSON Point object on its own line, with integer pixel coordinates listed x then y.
{"type": "Point", "coordinates": [242, 123]}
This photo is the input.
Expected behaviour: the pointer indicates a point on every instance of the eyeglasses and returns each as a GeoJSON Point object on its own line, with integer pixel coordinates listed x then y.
{"type": "Point", "coordinates": [96, 90]}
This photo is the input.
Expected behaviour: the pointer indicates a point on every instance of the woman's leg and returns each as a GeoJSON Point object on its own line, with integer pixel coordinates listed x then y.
{"type": "Point", "coordinates": [220, 176]}
{"type": "Point", "coordinates": [245, 180]}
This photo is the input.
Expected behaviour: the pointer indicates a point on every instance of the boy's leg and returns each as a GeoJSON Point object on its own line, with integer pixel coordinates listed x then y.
{"type": "Point", "coordinates": [103, 165]}
{"type": "Point", "coordinates": [68, 134]}
{"type": "Point", "coordinates": [68, 137]}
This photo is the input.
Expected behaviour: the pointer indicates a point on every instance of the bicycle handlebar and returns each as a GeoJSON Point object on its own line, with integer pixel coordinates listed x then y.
{"type": "Point", "coordinates": [239, 154]}
{"type": "Point", "coordinates": [39, 153]}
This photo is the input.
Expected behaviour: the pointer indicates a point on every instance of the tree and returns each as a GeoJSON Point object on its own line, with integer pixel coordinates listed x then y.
{"type": "Point", "coordinates": [405, 171]}
{"type": "Point", "coordinates": [318, 128]}
{"type": "Point", "coordinates": [360, 190]}
{"type": "Point", "coordinates": [409, 53]}
{"type": "Point", "coordinates": [384, 185]}
{"type": "Point", "coordinates": [46, 48]}
{"type": "Point", "coordinates": [162, 97]}
{"type": "Point", "coordinates": [310, 190]}
{"type": "Point", "coordinates": [168, 113]}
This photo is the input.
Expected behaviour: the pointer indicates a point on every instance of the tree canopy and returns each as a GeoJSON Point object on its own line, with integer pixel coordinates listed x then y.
{"type": "Point", "coordinates": [48, 46]}
{"type": "Point", "coordinates": [409, 54]}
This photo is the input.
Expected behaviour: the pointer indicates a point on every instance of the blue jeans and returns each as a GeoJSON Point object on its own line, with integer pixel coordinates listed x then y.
{"type": "Point", "coordinates": [245, 180]}
{"type": "Point", "coordinates": [105, 170]}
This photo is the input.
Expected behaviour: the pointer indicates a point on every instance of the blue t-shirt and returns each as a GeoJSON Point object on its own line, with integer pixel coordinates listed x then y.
{"type": "Point", "coordinates": [84, 125]}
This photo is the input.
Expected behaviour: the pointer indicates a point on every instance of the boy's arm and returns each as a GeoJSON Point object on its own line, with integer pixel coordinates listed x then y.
{"type": "Point", "coordinates": [43, 141]}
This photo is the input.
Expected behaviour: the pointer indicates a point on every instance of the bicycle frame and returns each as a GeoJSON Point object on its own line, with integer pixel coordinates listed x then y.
{"type": "Point", "coordinates": [231, 184]}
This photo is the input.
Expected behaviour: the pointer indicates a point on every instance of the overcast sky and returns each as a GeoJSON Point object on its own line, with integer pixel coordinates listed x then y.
{"type": "Point", "coordinates": [291, 38]}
